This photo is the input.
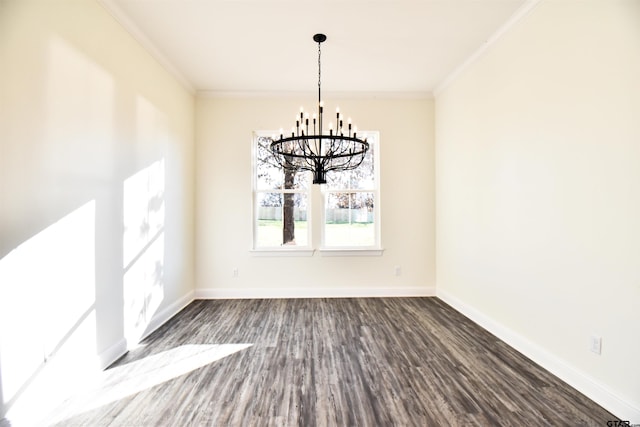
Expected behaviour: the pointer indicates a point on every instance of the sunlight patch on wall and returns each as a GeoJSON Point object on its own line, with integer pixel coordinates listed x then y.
{"type": "Point", "coordinates": [47, 313]}
{"type": "Point", "coordinates": [143, 248]}
{"type": "Point", "coordinates": [61, 159]}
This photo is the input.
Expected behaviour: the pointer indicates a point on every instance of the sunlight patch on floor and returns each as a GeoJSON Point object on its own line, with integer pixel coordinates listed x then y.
{"type": "Point", "coordinates": [126, 380]}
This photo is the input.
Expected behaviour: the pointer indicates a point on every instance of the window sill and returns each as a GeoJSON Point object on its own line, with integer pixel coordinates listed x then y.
{"type": "Point", "coordinates": [329, 252]}
{"type": "Point", "coordinates": [350, 252]}
{"type": "Point", "coordinates": [283, 252]}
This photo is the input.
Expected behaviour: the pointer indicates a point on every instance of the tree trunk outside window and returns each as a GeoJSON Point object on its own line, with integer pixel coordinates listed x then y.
{"type": "Point", "coordinates": [288, 224]}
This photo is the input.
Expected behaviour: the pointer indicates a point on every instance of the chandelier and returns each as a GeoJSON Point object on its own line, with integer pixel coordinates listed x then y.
{"type": "Point", "coordinates": [315, 150]}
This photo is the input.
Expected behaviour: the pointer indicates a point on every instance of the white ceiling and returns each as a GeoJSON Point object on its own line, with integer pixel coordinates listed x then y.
{"type": "Point", "coordinates": [267, 46]}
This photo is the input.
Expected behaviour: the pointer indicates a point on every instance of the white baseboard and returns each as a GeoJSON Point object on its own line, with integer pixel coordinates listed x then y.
{"type": "Point", "coordinates": [579, 380]}
{"type": "Point", "coordinates": [162, 316]}
{"type": "Point", "coordinates": [119, 349]}
{"type": "Point", "coordinates": [302, 292]}
{"type": "Point", "coordinates": [112, 354]}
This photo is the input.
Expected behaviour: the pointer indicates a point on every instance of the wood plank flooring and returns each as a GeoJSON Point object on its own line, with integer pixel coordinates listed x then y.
{"type": "Point", "coordinates": [327, 362]}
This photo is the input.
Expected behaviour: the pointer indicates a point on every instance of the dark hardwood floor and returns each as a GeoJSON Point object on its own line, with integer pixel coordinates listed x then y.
{"type": "Point", "coordinates": [327, 362]}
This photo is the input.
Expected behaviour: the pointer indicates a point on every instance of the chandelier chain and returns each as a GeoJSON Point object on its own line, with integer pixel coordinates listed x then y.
{"type": "Point", "coordinates": [319, 67]}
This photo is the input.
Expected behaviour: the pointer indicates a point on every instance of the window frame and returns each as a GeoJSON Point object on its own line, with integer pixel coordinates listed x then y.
{"type": "Point", "coordinates": [298, 250]}
{"type": "Point", "coordinates": [376, 248]}
{"type": "Point", "coordinates": [311, 247]}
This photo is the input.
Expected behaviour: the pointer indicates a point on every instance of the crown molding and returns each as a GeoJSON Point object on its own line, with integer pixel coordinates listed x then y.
{"type": "Point", "coordinates": [306, 94]}
{"type": "Point", "coordinates": [523, 11]}
{"type": "Point", "coordinates": [121, 17]}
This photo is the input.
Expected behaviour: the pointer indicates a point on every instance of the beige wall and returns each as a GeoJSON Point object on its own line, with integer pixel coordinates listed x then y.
{"type": "Point", "coordinates": [223, 174]}
{"type": "Point", "coordinates": [96, 191]}
{"type": "Point", "coordinates": [538, 192]}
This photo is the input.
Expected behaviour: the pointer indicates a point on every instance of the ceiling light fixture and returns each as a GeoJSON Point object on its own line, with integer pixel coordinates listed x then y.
{"type": "Point", "coordinates": [313, 149]}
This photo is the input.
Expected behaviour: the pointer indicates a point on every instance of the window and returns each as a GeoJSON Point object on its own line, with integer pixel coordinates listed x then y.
{"type": "Point", "coordinates": [350, 204]}
{"type": "Point", "coordinates": [348, 221]}
{"type": "Point", "coordinates": [281, 200]}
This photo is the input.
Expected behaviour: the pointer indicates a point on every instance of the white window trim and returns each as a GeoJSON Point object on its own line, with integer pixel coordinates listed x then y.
{"type": "Point", "coordinates": [282, 252]}
{"type": "Point", "coordinates": [354, 251]}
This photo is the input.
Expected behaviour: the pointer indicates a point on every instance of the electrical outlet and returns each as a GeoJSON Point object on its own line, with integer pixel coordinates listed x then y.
{"type": "Point", "coordinates": [397, 270]}
{"type": "Point", "coordinates": [595, 344]}
{"type": "Point", "coordinates": [235, 272]}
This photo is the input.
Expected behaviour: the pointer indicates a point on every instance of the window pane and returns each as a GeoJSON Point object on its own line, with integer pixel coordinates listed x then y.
{"type": "Point", "coordinates": [361, 178]}
{"type": "Point", "coordinates": [349, 219]}
{"type": "Point", "coordinates": [281, 219]}
{"type": "Point", "coordinates": [270, 176]}
{"type": "Point", "coordinates": [338, 180]}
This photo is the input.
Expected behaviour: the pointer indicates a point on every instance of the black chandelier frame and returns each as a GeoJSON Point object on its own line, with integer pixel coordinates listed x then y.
{"type": "Point", "coordinates": [319, 152]}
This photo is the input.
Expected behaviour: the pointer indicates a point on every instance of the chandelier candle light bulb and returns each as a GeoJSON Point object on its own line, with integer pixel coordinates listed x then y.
{"type": "Point", "coordinates": [318, 152]}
